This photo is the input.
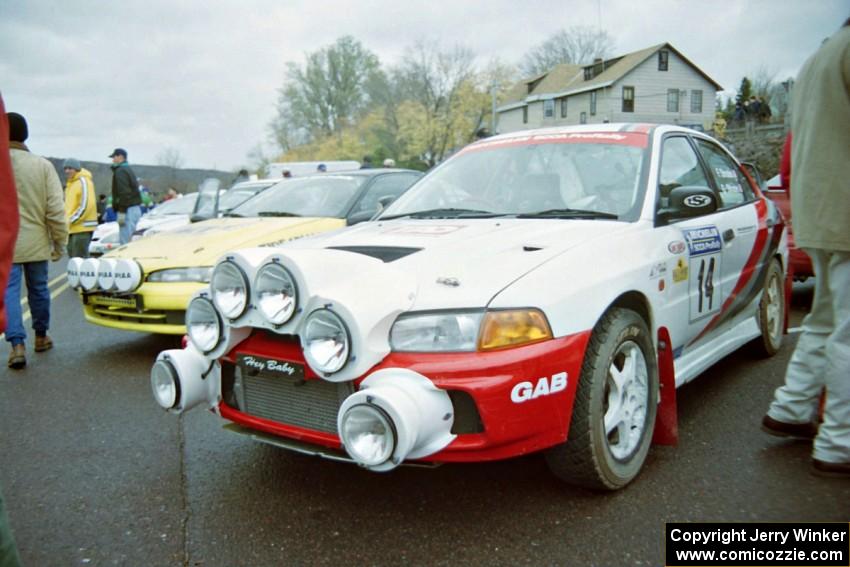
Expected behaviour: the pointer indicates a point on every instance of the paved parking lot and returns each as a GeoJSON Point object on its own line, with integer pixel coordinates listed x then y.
{"type": "Point", "coordinates": [96, 474]}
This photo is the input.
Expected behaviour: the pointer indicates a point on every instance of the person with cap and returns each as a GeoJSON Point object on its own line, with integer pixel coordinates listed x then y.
{"type": "Point", "coordinates": [80, 208]}
{"type": "Point", "coordinates": [285, 173]}
{"type": "Point", "coordinates": [321, 168]}
{"type": "Point", "coordinates": [389, 162]}
{"type": "Point", "coordinates": [126, 199]}
{"type": "Point", "coordinates": [367, 162]}
{"type": "Point", "coordinates": [42, 236]}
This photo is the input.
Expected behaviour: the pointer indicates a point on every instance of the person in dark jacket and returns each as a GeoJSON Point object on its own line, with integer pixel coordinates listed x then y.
{"type": "Point", "coordinates": [126, 200]}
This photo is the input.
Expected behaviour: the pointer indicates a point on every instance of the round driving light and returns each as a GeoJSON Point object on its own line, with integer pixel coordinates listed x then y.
{"type": "Point", "coordinates": [368, 434]}
{"type": "Point", "coordinates": [88, 274]}
{"type": "Point", "coordinates": [128, 275]}
{"type": "Point", "coordinates": [73, 271]}
{"type": "Point", "coordinates": [274, 290]}
{"type": "Point", "coordinates": [326, 341]}
{"type": "Point", "coordinates": [229, 289]}
{"type": "Point", "coordinates": [106, 273]}
{"type": "Point", "coordinates": [165, 384]}
{"type": "Point", "coordinates": [203, 324]}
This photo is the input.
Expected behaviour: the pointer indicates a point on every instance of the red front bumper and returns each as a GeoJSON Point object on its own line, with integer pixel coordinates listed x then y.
{"type": "Point", "coordinates": [510, 428]}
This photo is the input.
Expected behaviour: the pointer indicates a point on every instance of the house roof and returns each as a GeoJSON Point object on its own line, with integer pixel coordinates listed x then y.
{"type": "Point", "coordinates": [566, 79]}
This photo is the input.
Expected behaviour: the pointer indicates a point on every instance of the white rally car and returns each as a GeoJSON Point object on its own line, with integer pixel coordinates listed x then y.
{"type": "Point", "coordinates": [540, 291]}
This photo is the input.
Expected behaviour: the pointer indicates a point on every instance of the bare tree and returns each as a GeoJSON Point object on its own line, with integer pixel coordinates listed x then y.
{"type": "Point", "coordinates": [170, 157]}
{"type": "Point", "coordinates": [440, 110]}
{"type": "Point", "coordinates": [578, 45]}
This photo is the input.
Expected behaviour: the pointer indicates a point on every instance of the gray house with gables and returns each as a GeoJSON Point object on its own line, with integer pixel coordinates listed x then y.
{"type": "Point", "coordinates": [657, 84]}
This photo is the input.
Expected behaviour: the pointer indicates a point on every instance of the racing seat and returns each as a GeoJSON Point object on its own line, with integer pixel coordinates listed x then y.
{"type": "Point", "coordinates": [539, 192]}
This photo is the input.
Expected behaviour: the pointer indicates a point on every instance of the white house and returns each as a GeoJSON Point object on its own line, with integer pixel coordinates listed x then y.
{"type": "Point", "coordinates": [657, 84]}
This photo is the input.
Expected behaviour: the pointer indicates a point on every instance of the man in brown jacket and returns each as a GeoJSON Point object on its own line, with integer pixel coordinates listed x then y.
{"type": "Point", "coordinates": [43, 235]}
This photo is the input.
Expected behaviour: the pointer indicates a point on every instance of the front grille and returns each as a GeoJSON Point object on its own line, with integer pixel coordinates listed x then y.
{"type": "Point", "coordinates": [310, 404]}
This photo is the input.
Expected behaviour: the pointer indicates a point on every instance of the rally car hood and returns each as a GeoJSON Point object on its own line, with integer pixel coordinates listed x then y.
{"type": "Point", "coordinates": [200, 244]}
{"type": "Point", "coordinates": [461, 263]}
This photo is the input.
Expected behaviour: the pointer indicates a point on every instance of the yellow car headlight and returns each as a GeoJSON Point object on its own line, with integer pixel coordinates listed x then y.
{"type": "Point", "coordinates": [510, 328]}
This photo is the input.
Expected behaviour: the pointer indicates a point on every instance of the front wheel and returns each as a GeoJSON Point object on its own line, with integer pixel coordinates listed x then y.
{"type": "Point", "coordinates": [614, 411]}
{"type": "Point", "coordinates": [771, 313]}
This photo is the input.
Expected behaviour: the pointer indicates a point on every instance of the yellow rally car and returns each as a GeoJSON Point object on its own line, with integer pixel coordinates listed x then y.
{"type": "Point", "coordinates": [146, 284]}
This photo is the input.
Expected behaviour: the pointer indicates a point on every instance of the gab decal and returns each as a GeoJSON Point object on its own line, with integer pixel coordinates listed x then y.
{"type": "Point", "coordinates": [525, 391]}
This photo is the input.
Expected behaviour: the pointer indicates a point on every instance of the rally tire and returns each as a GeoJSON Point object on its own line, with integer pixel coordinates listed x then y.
{"type": "Point", "coordinates": [588, 458]}
{"type": "Point", "coordinates": [771, 312]}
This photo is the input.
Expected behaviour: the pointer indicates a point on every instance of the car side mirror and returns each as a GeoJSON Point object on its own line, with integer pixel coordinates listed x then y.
{"type": "Point", "coordinates": [206, 206]}
{"type": "Point", "coordinates": [360, 216]}
{"type": "Point", "coordinates": [688, 202]}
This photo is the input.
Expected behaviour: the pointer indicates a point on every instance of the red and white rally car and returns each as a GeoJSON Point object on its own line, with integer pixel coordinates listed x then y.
{"type": "Point", "coordinates": [539, 291]}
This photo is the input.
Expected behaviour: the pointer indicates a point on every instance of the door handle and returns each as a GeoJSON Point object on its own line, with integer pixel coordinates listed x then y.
{"type": "Point", "coordinates": [728, 235]}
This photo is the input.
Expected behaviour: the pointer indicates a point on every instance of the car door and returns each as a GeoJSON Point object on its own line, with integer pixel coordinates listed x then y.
{"type": "Point", "coordinates": [697, 291]}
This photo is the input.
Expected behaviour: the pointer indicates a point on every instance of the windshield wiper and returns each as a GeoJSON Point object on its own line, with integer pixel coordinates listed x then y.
{"type": "Point", "coordinates": [451, 213]}
{"type": "Point", "coordinates": [229, 214]}
{"type": "Point", "coordinates": [276, 214]}
{"type": "Point", "coordinates": [568, 214]}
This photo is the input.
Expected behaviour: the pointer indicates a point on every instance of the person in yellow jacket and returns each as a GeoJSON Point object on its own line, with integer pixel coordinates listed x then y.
{"type": "Point", "coordinates": [80, 208]}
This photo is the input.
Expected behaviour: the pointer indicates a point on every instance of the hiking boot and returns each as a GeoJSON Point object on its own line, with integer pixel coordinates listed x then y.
{"type": "Point", "coordinates": [43, 343]}
{"type": "Point", "coordinates": [17, 357]}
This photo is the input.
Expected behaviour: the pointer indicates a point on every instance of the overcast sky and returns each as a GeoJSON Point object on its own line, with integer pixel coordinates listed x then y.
{"type": "Point", "coordinates": [202, 76]}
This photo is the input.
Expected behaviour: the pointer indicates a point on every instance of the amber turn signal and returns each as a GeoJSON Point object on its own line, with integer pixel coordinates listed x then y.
{"type": "Point", "coordinates": [505, 329]}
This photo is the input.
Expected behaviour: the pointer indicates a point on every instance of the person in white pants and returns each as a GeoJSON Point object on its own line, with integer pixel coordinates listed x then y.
{"type": "Point", "coordinates": [820, 209]}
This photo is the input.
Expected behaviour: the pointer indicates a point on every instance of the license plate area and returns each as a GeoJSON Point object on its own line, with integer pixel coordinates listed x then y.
{"type": "Point", "coordinates": [126, 301]}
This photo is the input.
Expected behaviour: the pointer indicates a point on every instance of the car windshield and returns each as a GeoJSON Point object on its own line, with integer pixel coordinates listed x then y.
{"type": "Point", "coordinates": [179, 206]}
{"type": "Point", "coordinates": [235, 197]}
{"type": "Point", "coordinates": [545, 176]}
{"type": "Point", "coordinates": [320, 196]}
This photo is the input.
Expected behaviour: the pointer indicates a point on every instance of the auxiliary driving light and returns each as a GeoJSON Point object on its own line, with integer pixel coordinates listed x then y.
{"type": "Point", "coordinates": [73, 272]}
{"type": "Point", "coordinates": [326, 341]}
{"type": "Point", "coordinates": [229, 288]}
{"type": "Point", "coordinates": [88, 274]}
{"type": "Point", "coordinates": [128, 275]}
{"type": "Point", "coordinates": [203, 324]}
{"type": "Point", "coordinates": [275, 291]}
{"type": "Point", "coordinates": [165, 384]}
{"type": "Point", "coordinates": [106, 274]}
{"type": "Point", "coordinates": [368, 434]}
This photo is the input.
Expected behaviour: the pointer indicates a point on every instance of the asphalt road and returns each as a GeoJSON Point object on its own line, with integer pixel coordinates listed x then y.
{"type": "Point", "coordinates": [94, 473]}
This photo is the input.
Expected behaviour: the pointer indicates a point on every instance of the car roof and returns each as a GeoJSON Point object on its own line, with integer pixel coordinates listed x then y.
{"type": "Point", "coordinates": [605, 128]}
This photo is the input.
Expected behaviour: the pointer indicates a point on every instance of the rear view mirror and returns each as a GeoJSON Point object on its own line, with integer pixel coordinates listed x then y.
{"type": "Point", "coordinates": [687, 202]}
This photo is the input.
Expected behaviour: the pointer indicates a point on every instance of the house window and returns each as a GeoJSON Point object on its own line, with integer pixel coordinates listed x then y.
{"type": "Point", "coordinates": [663, 60]}
{"type": "Point", "coordinates": [549, 108]}
{"type": "Point", "coordinates": [593, 103]}
{"type": "Point", "coordinates": [696, 102]}
{"type": "Point", "coordinates": [525, 115]}
{"type": "Point", "coordinates": [588, 73]}
{"type": "Point", "coordinates": [564, 107]}
{"type": "Point", "coordinates": [672, 100]}
{"type": "Point", "coordinates": [583, 118]}
{"type": "Point", "coordinates": [628, 99]}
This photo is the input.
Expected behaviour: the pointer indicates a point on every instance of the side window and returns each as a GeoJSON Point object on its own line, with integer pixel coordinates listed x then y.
{"type": "Point", "coordinates": [680, 166]}
{"type": "Point", "coordinates": [732, 184]}
{"type": "Point", "coordinates": [549, 108]}
{"type": "Point", "coordinates": [391, 185]}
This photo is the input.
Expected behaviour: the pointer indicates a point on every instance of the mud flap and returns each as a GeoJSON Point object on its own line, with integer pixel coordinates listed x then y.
{"type": "Point", "coordinates": [666, 419]}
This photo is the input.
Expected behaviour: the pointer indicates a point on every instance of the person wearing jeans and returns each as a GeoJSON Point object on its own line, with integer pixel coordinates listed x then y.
{"type": "Point", "coordinates": [42, 236]}
{"type": "Point", "coordinates": [126, 199]}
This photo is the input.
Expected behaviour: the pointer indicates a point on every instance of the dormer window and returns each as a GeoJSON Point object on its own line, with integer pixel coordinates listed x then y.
{"type": "Point", "coordinates": [663, 59]}
{"type": "Point", "coordinates": [588, 73]}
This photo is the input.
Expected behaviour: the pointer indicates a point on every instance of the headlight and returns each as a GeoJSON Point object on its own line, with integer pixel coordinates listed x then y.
{"type": "Point", "coordinates": [436, 332]}
{"type": "Point", "coordinates": [88, 274]}
{"type": "Point", "coordinates": [368, 434]}
{"type": "Point", "coordinates": [203, 324]}
{"type": "Point", "coordinates": [229, 289]}
{"type": "Point", "coordinates": [198, 274]}
{"type": "Point", "coordinates": [165, 384]}
{"type": "Point", "coordinates": [128, 275]}
{"type": "Point", "coordinates": [106, 273]}
{"type": "Point", "coordinates": [503, 329]}
{"type": "Point", "coordinates": [326, 341]}
{"type": "Point", "coordinates": [275, 293]}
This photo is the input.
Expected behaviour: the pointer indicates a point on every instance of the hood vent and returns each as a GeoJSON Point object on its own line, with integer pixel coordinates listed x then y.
{"type": "Point", "coordinates": [383, 253]}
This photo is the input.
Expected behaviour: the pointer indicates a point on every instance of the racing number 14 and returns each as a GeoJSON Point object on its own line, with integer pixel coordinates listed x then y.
{"type": "Point", "coordinates": [704, 293]}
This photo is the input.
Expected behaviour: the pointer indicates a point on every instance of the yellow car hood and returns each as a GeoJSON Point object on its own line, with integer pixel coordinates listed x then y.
{"type": "Point", "coordinates": [202, 243]}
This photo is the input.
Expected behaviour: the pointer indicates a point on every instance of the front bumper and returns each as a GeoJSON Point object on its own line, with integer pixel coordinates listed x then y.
{"type": "Point", "coordinates": [491, 421]}
{"type": "Point", "coordinates": [153, 308]}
